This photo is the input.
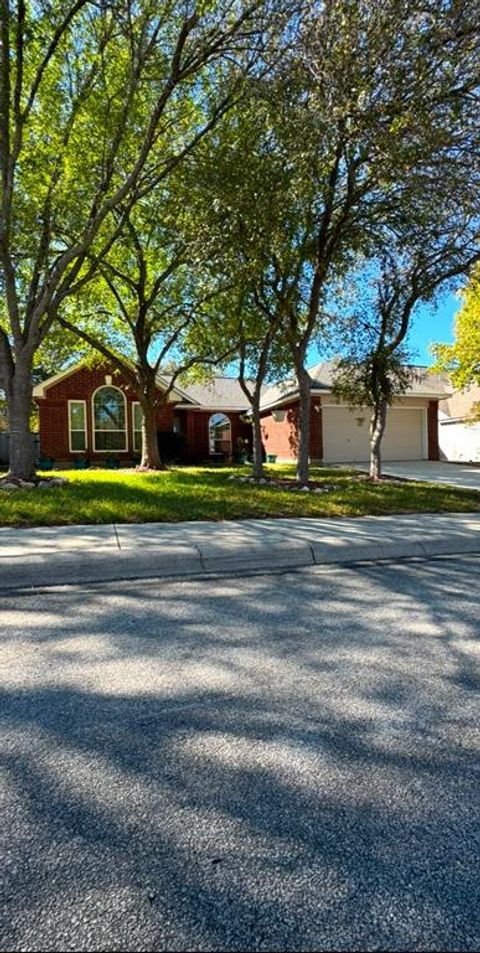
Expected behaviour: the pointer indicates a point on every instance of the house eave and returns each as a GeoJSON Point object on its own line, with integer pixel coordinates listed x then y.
{"type": "Point", "coordinates": [213, 410]}
{"type": "Point", "coordinates": [39, 391]}
{"type": "Point", "coordinates": [290, 397]}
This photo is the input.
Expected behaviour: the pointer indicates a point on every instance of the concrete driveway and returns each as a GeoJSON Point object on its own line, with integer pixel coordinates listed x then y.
{"type": "Point", "coordinates": [457, 474]}
{"type": "Point", "coordinates": [285, 762]}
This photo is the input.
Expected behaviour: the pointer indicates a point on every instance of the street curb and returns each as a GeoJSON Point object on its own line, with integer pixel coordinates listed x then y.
{"type": "Point", "coordinates": [184, 559]}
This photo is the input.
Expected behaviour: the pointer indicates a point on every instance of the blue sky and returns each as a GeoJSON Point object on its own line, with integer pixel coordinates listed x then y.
{"type": "Point", "coordinates": [430, 326]}
{"type": "Point", "coordinates": [433, 325]}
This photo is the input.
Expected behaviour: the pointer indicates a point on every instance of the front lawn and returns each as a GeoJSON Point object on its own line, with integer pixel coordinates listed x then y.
{"type": "Point", "coordinates": [199, 493]}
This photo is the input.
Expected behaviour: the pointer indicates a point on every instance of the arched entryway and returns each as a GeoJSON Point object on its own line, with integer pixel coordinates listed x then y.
{"type": "Point", "coordinates": [220, 435]}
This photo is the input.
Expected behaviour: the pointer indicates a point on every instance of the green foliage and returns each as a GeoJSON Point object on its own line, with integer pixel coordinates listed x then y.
{"type": "Point", "coordinates": [99, 103]}
{"type": "Point", "coordinates": [151, 305]}
{"type": "Point", "coordinates": [257, 152]}
{"type": "Point", "coordinates": [351, 144]}
{"type": "Point", "coordinates": [378, 376]}
{"type": "Point", "coordinates": [461, 360]}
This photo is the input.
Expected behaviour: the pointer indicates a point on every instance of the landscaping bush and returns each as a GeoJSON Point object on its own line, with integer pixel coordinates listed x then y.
{"type": "Point", "coordinates": [171, 446]}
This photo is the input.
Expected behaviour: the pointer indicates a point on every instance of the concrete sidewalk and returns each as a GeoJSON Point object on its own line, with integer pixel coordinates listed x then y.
{"type": "Point", "coordinates": [47, 556]}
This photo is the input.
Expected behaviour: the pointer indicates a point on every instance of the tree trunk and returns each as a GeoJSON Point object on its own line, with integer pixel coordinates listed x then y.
{"type": "Point", "coordinates": [150, 451]}
{"type": "Point", "coordinates": [377, 429]}
{"type": "Point", "coordinates": [19, 402]}
{"type": "Point", "coordinates": [303, 456]}
{"type": "Point", "coordinates": [258, 472]}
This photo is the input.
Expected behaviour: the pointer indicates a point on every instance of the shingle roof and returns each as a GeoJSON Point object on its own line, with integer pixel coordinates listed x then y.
{"type": "Point", "coordinates": [222, 393]}
{"type": "Point", "coordinates": [322, 377]}
{"type": "Point", "coordinates": [225, 393]}
{"type": "Point", "coordinates": [427, 383]}
{"type": "Point", "coordinates": [424, 382]}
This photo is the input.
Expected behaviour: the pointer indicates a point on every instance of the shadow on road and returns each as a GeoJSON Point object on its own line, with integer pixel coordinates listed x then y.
{"type": "Point", "coordinates": [283, 763]}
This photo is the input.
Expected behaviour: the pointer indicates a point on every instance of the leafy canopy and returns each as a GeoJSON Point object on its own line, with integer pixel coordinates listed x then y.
{"type": "Point", "coordinates": [461, 360]}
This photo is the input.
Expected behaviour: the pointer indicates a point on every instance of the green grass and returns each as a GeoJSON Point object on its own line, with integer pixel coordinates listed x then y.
{"type": "Point", "coordinates": [197, 493]}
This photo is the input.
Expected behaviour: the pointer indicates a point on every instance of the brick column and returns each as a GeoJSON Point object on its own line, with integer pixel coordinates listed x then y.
{"type": "Point", "coordinates": [433, 448]}
{"type": "Point", "coordinates": [316, 431]}
{"type": "Point", "coordinates": [190, 436]}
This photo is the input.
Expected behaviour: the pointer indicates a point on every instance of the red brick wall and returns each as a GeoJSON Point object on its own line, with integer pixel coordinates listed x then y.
{"type": "Point", "coordinates": [433, 448]}
{"type": "Point", "coordinates": [81, 384]}
{"type": "Point", "coordinates": [197, 432]}
{"type": "Point", "coordinates": [281, 438]}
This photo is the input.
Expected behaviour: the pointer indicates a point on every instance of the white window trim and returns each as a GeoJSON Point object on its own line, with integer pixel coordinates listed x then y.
{"type": "Point", "coordinates": [125, 431]}
{"type": "Point", "coordinates": [85, 429]}
{"type": "Point", "coordinates": [136, 403]}
{"type": "Point", "coordinates": [220, 413]}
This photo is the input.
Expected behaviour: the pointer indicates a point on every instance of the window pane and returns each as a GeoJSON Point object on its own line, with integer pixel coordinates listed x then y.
{"type": "Point", "coordinates": [77, 416]}
{"type": "Point", "coordinates": [219, 434]}
{"type": "Point", "coordinates": [137, 417]}
{"type": "Point", "coordinates": [109, 409]}
{"type": "Point", "coordinates": [110, 440]}
{"type": "Point", "coordinates": [78, 440]}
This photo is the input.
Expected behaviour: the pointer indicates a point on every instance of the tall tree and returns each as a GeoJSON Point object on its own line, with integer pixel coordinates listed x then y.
{"type": "Point", "coordinates": [262, 357]}
{"type": "Point", "coordinates": [98, 103]}
{"type": "Point", "coordinates": [361, 122]}
{"type": "Point", "coordinates": [238, 184]}
{"type": "Point", "coordinates": [373, 370]}
{"type": "Point", "coordinates": [377, 109]}
{"type": "Point", "coordinates": [148, 311]}
{"type": "Point", "coordinates": [389, 115]}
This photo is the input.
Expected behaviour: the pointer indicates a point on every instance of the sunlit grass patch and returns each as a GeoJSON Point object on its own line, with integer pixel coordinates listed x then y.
{"type": "Point", "coordinates": [203, 493]}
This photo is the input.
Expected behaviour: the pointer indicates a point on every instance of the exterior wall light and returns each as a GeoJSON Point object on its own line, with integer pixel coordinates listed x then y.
{"type": "Point", "coordinates": [278, 416]}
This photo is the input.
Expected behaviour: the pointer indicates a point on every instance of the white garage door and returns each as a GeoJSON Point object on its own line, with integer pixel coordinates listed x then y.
{"type": "Point", "coordinates": [346, 435]}
{"type": "Point", "coordinates": [403, 438]}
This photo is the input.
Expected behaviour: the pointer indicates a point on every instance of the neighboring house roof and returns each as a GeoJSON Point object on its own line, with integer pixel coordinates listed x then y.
{"type": "Point", "coordinates": [461, 404]}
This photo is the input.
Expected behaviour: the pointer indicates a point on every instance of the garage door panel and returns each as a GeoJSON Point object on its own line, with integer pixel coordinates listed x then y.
{"type": "Point", "coordinates": [346, 435]}
{"type": "Point", "coordinates": [403, 438]}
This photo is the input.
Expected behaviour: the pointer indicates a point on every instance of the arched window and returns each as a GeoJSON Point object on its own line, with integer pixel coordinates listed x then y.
{"type": "Point", "coordinates": [109, 420]}
{"type": "Point", "coordinates": [220, 434]}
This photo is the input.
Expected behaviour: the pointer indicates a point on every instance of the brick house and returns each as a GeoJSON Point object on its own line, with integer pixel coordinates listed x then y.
{"type": "Point", "coordinates": [93, 414]}
{"type": "Point", "coordinates": [340, 434]}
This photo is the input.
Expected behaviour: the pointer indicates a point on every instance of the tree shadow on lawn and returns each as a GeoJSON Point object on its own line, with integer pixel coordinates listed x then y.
{"type": "Point", "coordinates": [179, 495]}
{"type": "Point", "coordinates": [194, 769]}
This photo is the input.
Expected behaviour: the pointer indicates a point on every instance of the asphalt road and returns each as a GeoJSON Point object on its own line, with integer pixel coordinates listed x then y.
{"type": "Point", "coordinates": [284, 762]}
